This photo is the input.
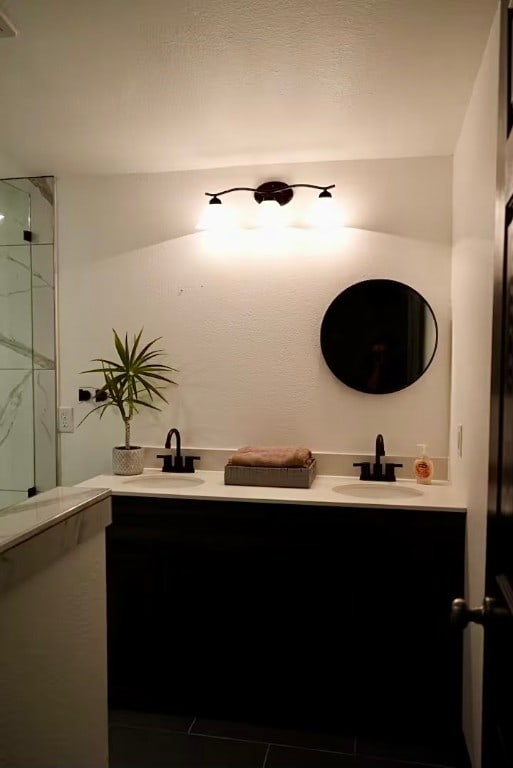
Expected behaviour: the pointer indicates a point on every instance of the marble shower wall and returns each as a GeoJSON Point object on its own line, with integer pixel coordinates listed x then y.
{"type": "Point", "coordinates": [27, 338]}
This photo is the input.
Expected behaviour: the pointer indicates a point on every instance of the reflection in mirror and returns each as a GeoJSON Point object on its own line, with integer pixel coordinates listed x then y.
{"type": "Point", "coordinates": [27, 338]}
{"type": "Point", "coordinates": [379, 336]}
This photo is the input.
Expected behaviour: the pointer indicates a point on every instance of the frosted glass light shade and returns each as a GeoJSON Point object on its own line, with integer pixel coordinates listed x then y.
{"type": "Point", "coordinates": [216, 217]}
{"type": "Point", "coordinates": [270, 215]}
{"type": "Point", "coordinates": [325, 214]}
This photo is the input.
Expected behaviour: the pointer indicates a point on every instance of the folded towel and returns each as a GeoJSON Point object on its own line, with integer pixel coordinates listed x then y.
{"type": "Point", "coordinates": [271, 456]}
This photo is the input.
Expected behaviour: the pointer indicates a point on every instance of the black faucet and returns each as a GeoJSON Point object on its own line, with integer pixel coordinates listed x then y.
{"type": "Point", "coordinates": [180, 463]}
{"type": "Point", "coordinates": [167, 444]}
{"type": "Point", "coordinates": [377, 467]}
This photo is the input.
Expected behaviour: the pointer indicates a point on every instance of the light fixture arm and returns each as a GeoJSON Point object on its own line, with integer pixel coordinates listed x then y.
{"type": "Point", "coordinates": [233, 189]}
{"type": "Point", "coordinates": [280, 189]}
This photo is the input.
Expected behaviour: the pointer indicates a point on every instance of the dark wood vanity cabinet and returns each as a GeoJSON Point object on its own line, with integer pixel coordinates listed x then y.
{"type": "Point", "coordinates": [286, 614]}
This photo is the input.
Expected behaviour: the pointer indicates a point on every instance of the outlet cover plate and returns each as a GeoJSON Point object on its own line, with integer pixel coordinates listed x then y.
{"type": "Point", "coordinates": [66, 421]}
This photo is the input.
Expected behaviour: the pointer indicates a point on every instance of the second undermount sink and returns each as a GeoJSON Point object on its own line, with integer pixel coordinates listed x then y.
{"type": "Point", "coordinates": [164, 480]}
{"type": "Point", "coordinates": [377, 490]}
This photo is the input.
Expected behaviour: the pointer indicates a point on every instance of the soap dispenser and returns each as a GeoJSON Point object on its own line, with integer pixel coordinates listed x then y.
{"type": "Point", "coordinates": [423, 466]}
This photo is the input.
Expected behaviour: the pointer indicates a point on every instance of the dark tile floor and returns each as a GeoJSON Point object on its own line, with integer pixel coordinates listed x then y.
{"type": "Point", "coordinates": [142, 740]}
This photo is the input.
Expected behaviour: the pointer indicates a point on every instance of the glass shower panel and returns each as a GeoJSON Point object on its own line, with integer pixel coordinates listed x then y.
{"type": "Point", "coordinates": [16, 348]}
{"type": "Point", "coordinates": [16, 432]}
{"type": "Point", "coordinates": [15, 307]}
{"type": "Point", "coordinates": [42, 217]}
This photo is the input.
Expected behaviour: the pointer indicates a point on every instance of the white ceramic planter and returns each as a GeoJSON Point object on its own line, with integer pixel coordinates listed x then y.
{"type": "Point", "coordinates": [127, 462]}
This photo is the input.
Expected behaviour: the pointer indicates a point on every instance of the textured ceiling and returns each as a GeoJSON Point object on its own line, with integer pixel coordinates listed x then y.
{"type": "Point", "coordinates": [104, 86]}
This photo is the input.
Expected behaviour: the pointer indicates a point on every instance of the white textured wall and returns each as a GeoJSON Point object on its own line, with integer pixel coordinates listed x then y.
{"type": "Point", "coordinates": [240, 318]}
{"type": "Point", "coordinates": [472, 286]}
{"type": "Point", "coordinates": [53, 663]}
{"type": "Point", "coordinates": [9, 167]}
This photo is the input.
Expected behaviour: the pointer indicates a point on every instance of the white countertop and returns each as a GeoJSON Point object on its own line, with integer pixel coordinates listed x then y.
{"type": "Point", "coordinates": [29, 518]}
{"type": "Point", "coordinates": [204, 484]}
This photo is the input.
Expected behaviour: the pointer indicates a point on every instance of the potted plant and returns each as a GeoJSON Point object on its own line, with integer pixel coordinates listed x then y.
{"type": "Point", "coordinates": [133, 380]}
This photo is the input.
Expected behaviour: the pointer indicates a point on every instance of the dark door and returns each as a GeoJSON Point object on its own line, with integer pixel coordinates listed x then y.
{"type": "Point", "coordinates": [496, 612]}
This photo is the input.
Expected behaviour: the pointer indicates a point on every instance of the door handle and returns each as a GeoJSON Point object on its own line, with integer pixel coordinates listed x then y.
{"type": "Point", "coordinates": [487, 614]}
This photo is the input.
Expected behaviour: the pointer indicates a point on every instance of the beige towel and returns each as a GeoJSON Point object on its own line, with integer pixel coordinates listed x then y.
{"type": "Point", "coordinates": [271, 456]}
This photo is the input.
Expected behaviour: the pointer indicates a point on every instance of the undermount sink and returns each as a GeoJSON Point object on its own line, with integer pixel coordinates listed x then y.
{"type": "Point", "coordinates": [164, 481]}
{"type": "Point", "coordinates": [373, 490]}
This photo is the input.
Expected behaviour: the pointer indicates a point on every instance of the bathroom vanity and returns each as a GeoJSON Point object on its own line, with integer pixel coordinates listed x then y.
{"type": "Point", "coordinates": [53, 707]}
{"type": "Point", "coordinates": [299, 607]}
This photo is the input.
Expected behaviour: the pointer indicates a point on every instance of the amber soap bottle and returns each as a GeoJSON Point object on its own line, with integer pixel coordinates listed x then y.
{"type": "Point", "coordinates": [423, 466]}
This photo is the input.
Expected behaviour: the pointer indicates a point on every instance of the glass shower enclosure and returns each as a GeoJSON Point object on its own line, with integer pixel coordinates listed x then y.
{"type": "Point", "coordinates": [27, 339]}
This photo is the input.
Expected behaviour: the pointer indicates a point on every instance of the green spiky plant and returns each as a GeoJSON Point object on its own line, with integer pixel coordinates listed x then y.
{"type": "Point", "coordinates": [134, 376]}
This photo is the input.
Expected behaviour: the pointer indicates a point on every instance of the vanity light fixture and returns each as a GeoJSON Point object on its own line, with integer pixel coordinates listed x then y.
{"type": "Point", "coordinates": [270, 196]}
{"type": "Point", "coordinates": [278, 191]}
{"type": "Point", "coordinates": [2, 216]}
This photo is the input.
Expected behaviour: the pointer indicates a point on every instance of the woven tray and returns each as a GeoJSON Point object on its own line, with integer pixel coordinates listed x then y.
{"type": "Point", "coordinates": [275, 477]}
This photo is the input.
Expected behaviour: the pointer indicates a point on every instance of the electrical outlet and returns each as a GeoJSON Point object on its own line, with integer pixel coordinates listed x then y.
{"type": "Point", "coordinates": [66, 419]}
{"type": "Point", "coordinates": [459, 439]}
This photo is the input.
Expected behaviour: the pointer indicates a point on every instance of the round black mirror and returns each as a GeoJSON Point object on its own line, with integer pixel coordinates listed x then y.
{"type": "Point", "coordinates": [379, 336]}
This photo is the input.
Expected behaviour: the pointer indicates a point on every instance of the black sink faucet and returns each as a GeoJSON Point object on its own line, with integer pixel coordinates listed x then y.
{"type": "Point", "coordinates": [170, 434]}
{"type": "Point", "coordinates": [377, 467]}
{"type": "Point", "coordinates": [179, 464]}
{"type": "Point", "coordinates": [169, 464]}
